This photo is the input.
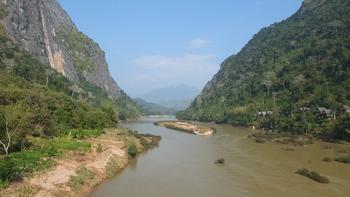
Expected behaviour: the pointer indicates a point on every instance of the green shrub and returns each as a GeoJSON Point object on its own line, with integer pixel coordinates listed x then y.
{"type": "Point", "coordinates": [3, 12]}
{"type": "Point", "coordinates": [313, 175]}
{"type": "Point", "coordinates": [9, 171]}
{"type": "Point", "coordinates": [344, 159]}
{"type": "Point", "coordinates": [66, 144]}
{"type": "Point", "coordinates": [83, 133]}
{"type": "Point", "coordinates": [3, 184]}
{"type": "Point", "coordinates": [58, 145]}
{"type": "Point", "coordinates": [132, 150]}
{"type": "Point", "coordinates": [15, 165]}
{"type": "Point", "coordinates": [114, 165]}
{"type": "Point", "coordinates": [99, 148]}
{"type": "Point", "coordinates": [327, 159]}
{"type": "Point", "coordinates": [260, 140]}
{"type": "Point", "coordinates": [83, 176]}
{"type": "Point", "coordinates": [289, 149]}
{"type": "Point", "coordinates": [147, 140]}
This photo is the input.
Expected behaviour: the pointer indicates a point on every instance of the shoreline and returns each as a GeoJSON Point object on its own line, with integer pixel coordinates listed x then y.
{"type": "Point", "coordinates": [79, 174]}
{"type": "Point", "coordinates": [316, 137]}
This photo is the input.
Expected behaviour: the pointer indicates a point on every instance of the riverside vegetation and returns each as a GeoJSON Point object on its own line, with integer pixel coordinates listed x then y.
{"type": "Point", "coordinates": [296, 73]}
{"type": "Point", "coordinates": [71, 163]}
{"type": "Point", "coordinates": [313, 175]}
{"type": "Point", "coordinates": [44, 118]}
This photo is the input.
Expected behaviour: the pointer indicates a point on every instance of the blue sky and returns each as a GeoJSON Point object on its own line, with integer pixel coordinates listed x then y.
{"type": "Point", "coordinates": [157, 43]}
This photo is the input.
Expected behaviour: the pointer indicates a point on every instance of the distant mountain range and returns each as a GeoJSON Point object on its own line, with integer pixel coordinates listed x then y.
{"type": "Point", "coordinates": [149, 108]}
{"type": "Point", "coordinates": [175, 98]}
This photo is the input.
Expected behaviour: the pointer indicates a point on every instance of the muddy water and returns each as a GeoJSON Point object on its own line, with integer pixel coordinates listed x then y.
{"type": "Point", "coordinates": [183, 165]}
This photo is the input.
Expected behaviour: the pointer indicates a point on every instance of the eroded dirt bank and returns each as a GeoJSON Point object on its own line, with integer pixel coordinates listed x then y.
{"type": "Point", "coordinates": [76, 173]}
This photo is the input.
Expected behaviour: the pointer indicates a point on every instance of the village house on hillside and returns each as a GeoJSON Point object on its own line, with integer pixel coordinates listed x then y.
{"type": "Point", "coordinates": [326, 112]}
{"type": "Point", "coordinates": [345, 109]}
{"type": "Point", "coordinates": [265, 113]}
{"type": "Point", "coordinates": [304, 109]}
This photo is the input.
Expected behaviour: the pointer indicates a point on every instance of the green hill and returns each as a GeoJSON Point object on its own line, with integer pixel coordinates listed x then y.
{"type": "Point", "coordinates": [37, 100]}
{"type": "Point", "coordinates": [293, 69]}
{"type": "Point", "coordinates": [149, 108]}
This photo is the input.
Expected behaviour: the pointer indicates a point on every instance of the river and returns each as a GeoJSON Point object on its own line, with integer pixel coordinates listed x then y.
{"type": "Point", "coordinates": [183, 166]}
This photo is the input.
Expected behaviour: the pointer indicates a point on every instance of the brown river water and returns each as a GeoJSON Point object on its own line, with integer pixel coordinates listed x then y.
{"type": "Point", "coordinates": [183, 166]}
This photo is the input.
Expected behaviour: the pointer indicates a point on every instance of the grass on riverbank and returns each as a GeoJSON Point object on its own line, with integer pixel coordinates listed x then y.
{"type": "Point", "coordinates": [40, 153]}
{"type": "Point", "coordinates": [115, 165]}
{"type": "Point", "coordinates": [37, 157]}
{"type": "Point", "coordinates": [83, 176]}
{"type": "Point", "coordinates": [282, 138]}
{"type": "Point", "coordinates": [343, 159]}
{"type": "Point", "coordinates": [134, 141]}
{"type": "Point", "coordinates": [313, 175]}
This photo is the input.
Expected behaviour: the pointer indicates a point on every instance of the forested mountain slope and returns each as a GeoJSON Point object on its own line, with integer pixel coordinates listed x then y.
{"type": "Point", "coordinates": [46, 32]}
{"type": "Point", "coordinates": [38, 100]}
{"type": "Point", "coordinates": [149, 108]}
{"type": "Point", "coordinates": [44, 106]}
{"type": "Point", "coordinates": [291, 70]}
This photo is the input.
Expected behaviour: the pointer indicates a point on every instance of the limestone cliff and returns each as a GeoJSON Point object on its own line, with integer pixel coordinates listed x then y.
{"type": "Point", "coordinates": [46, 31]}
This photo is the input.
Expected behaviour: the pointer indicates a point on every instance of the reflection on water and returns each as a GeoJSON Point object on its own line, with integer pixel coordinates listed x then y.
{"type": "Point", "coordinates": [183, 165]}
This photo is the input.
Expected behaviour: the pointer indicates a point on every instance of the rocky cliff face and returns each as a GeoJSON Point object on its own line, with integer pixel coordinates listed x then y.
{"type": "Point", "coordinates": [46, 31]}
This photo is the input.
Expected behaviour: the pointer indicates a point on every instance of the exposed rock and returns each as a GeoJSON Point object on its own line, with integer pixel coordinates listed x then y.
{"type": "Point", "coordinates": [220, 161]}
{"type": "Point", "coordinates": [46, 31]}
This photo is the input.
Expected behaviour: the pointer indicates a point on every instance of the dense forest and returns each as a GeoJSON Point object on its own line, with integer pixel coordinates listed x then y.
{"type": "Point", "coordinates": [293, 76]}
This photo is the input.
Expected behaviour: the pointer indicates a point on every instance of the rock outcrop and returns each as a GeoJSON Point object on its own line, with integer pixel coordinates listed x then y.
{"type": "Point", "coordinates": [47, 32]}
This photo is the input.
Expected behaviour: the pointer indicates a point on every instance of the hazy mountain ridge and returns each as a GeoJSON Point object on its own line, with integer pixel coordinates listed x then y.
{"type": "Point", "coordinates": [176, 98]}
{"type": "Point", "coordinates": [176, 105]}
{"type": "Point", "coordinates": [149, 108]}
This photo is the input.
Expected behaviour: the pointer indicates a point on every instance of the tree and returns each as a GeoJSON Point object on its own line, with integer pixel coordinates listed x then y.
{"type": "Point", "coordinates": [48, 72]}
{"type": "Point", "coordinates": [342, 127]}
{"type": "Point", "coordinates": [12, 118]}
{"type": "Point", "coordinates": [75, 89]}
{"type": "Point", "coordinates": [268, 81]}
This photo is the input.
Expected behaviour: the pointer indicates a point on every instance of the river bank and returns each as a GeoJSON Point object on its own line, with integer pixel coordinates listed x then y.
{"type": "Point", "coordinates": [250, 169]}
{"type": "Point", "coordinates": [187, 127]}
{"type": "Point", "coordinates": [76, 173]}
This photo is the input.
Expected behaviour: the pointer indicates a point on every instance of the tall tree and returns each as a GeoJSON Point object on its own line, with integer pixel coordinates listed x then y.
{"type": "Point", "coordinates": [12, 119]}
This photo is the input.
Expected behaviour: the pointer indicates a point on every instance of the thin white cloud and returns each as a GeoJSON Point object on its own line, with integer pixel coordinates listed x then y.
{"type": "Point", "coordinates": [156, 70]}
{"type": "Point", "coordinates": [195, 69]}
{"type": "Point", "coordinates": [198, 43]}
{"type": "Point", "coordinates": [186, 62]}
